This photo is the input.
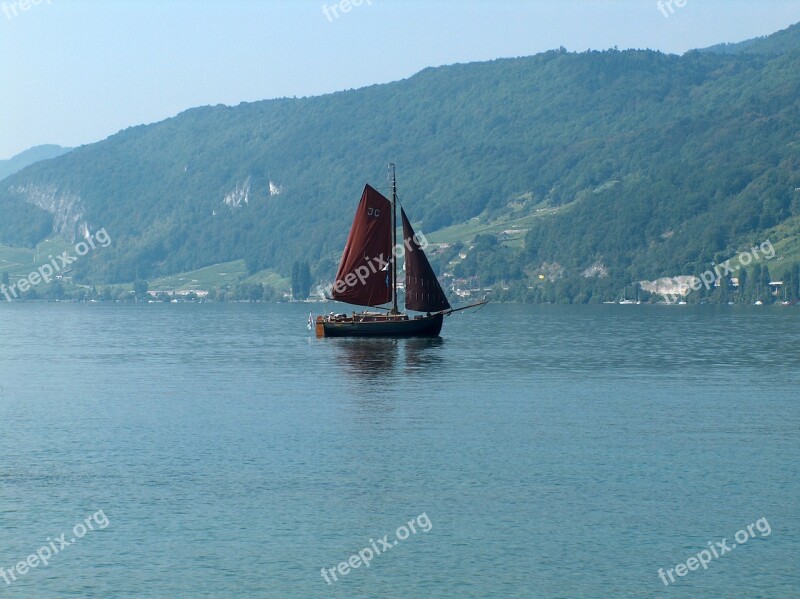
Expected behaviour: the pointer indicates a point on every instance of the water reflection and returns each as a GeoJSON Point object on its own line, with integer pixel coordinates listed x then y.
{"type": "Point", "coordinates": [423, 354]}
{"type": "Point", "coordinates": [367, 358]}
{"type": "Point", "coordinates": [386, 358]}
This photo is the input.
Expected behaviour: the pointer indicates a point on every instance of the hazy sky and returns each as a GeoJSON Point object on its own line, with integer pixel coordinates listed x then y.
{"type": "Point", "coordinates": [76, 71]}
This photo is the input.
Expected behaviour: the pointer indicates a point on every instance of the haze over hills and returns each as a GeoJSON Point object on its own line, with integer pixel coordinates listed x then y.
{"type": "Point", "coordinates": [781, 42]}
{"type": "Point", "coordinates": [28, 157]}
{"type": "Point", "coordinates": [591, 169]}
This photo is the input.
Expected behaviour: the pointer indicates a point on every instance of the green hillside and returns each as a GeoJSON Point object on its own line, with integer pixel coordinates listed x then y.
{"type": "Point", "coordinates": [596, 169]}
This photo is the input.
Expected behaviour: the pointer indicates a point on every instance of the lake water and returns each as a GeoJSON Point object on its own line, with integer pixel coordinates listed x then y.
{"type": "Point", "coordinates": [548, 451]}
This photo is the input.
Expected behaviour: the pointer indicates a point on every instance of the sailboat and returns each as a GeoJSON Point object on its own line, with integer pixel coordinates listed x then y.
{"type": "Point", "coordinates": [367, 276]}
{"type": "Point", "coordinates": [624, 300]}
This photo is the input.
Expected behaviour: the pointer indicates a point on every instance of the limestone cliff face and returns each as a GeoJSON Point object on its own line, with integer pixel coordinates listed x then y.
{"type": "Point", "coordinates": [66, 207]}
{"type": "Point", "coordinates": [670, 288]}
{"type": "Point", "coordinates": [239, 196]}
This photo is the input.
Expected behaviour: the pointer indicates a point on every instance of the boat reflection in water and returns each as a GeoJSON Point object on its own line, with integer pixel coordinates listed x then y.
{"type": "Point", "coordinates": [388, 359]}
{"type": "Point", "coordinates": [381, 371]}
{"type": "Point", "coordinates": [423, 354]}
{"type": "Point", "coordinates": [368, 358]}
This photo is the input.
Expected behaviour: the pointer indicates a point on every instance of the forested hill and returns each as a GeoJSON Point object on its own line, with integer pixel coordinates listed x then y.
{"type": "Point", "coordinates": [636, 163]}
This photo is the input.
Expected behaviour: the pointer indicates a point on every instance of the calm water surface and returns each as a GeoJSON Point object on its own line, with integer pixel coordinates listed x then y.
{"type": "Point", "coordinates": [556, 451]}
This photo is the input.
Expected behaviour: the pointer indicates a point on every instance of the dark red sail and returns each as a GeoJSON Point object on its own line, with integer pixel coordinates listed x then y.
{"type": "Point", "coordinates": [363, 277]}
{"type": "Point", "coordinates": [423, 292]}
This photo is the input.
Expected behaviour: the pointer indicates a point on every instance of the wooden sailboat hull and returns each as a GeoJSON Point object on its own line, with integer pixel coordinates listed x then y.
{"type": "Point", "coordinates": [361, 325]}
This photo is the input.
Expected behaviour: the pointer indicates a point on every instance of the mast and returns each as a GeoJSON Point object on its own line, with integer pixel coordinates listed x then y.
{"type": "Point", "coordinates": [394, 240]}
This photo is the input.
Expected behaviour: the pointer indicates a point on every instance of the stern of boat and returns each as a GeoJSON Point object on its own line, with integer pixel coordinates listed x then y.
{"type": "Point", "coordinates": [320, 327]}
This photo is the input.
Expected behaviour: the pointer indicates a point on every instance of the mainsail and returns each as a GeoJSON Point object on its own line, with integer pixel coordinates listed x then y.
{"type": "Point", "coordinates": [363, 278]}
{"type": "Point", "coordinates": [423, 292]}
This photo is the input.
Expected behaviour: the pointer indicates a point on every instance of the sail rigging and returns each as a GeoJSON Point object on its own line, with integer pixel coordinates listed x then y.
{"type": "Point", "coordinates": [423, 291]}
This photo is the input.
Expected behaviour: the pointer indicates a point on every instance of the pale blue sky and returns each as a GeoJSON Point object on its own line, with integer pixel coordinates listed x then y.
{"type": "Point", "coordinates": [76, 71]}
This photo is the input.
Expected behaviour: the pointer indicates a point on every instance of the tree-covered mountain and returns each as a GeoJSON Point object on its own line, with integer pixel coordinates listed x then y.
{"type": "Point", "coordinates": [28, 157]}
{"type": "Point", "coordinates": [623, 166]}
